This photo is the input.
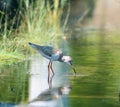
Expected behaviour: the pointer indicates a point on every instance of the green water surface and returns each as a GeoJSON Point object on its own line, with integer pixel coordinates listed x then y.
{"type": "Point", "coordinates": [97, 83]}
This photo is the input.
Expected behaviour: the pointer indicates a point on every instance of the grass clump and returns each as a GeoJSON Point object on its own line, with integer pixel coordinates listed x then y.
{"type": "Point", "coordinates": [9, 58]}
{"type": "Point", "coordinates": [38, 24]}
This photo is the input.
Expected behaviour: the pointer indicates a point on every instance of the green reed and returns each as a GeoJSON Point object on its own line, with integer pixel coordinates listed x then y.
{"type": "Point", "coordinates": [39, 24]}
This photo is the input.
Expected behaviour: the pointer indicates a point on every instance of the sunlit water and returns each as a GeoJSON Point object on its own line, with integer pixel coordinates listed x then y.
{"type": "Point", "coordinates": [97, 83]}
{"type": "Point", "coordinates": [38, 84]}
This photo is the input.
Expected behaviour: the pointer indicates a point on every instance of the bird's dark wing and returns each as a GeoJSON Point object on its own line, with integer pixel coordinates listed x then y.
{"type": "Point", "coordinates": [49, 51]}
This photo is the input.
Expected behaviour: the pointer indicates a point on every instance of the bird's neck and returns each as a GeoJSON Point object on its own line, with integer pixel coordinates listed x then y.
{"type": "Point", "coordinates": [61, 59]}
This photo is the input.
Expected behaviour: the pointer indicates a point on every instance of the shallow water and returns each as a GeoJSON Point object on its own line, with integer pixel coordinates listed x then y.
{"type": "Point", "coordinates": [97, 83]}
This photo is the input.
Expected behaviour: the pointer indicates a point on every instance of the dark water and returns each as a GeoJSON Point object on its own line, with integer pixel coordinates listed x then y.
{"type": "Point", "coordinates": [97, 83]}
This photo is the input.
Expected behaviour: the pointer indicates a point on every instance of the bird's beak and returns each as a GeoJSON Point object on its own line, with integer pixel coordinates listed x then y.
{"type": "Point", "coordinates": [70, 62]}
{"type": "Point", "coordinates": [74, 70]}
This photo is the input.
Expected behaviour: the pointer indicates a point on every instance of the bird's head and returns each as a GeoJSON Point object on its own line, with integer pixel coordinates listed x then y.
{"type": "Point", "coordinates": [67, 59]}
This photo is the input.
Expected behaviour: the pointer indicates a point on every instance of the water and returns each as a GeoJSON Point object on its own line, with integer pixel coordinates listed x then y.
{"type": "Point", "coordinates": [40, 92]}
{"type": "Point", "coordinates": [100, 66]}
{"type": "Point", "coordinates": [26, 84]}
{"type": "Point", "coordinates": [97, 83]}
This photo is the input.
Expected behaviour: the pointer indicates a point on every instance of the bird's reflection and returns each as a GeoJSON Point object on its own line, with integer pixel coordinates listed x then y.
{"type": "Point", "coordinates": [50, 78]}
{"type": "Point", "coordinates": [52, 94]}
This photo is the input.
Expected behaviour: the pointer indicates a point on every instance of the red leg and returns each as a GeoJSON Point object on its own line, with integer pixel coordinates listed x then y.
{"type": "Point", "coordinates": [50, 82]}
{"type": "Point", "coordinates": [49, 72]}
{"type": "Point", "coordinates": [52, 68]}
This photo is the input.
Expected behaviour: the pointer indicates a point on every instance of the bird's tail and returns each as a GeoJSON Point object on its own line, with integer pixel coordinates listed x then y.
{"type": "Point", "coordinates": [35, 46]}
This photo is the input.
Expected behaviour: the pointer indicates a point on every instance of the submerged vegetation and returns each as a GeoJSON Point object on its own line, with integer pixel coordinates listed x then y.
{"type": "Point", "coordinates": [14, 83]}
{"type": "Point", "coordinates": [39, 23]}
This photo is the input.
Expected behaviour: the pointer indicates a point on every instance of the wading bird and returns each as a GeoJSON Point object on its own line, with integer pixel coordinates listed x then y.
{"type": "Point", "coordinates": [52, 54]}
